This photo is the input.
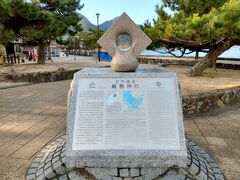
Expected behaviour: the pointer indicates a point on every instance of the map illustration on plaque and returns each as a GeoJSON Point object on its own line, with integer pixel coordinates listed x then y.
{"type": "Point", "coordinates": [132, 102]}
{"type": "Point", "coordinates": [112, 98]}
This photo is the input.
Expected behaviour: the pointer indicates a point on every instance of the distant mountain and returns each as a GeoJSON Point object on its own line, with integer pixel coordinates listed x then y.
{"type": "Point", "coordinates": [86, 24]}
{"type": "Point", "coordinates": [107, 24]}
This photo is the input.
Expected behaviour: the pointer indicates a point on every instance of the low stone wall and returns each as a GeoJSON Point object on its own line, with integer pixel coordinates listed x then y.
{"type": "Point", "coordinates": [165, 61]}
{"type": "Point", "coordinates": [191, 104]}
{"type": "Point", "coordinates": [210, 101]}
{"type": "Point", "coordinates": [162, 61]}
{"type": "Point", "coordinates": [41, 77]}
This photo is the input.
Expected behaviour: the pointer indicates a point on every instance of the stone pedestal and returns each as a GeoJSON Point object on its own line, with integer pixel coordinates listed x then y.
{"type": "Point", "coordinates": [92, 123]}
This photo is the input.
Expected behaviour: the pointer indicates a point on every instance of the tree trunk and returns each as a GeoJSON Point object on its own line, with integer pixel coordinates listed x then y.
{"type": "Point", "coordinates": [214, 66]}
{"type": "Point", "coordinates": [41, 52]}
{"type": "Point", "coordinates": [210, 58]}
{"type": "Point", "coordinates": [49, 51]}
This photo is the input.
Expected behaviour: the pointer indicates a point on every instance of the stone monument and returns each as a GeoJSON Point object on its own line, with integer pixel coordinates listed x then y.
{"type": "Point", "coordinates": [125, 123]}
{"type": "Point", "coordinates": [125, 120]}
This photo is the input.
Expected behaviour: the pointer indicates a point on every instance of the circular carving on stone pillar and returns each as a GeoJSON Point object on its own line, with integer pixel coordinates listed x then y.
{"type": "Point", "coordinates": [124, 42]}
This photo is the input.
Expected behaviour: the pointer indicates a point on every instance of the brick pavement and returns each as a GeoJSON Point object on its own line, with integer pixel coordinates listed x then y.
{"type": "Point", "coordinates": [32, 116]}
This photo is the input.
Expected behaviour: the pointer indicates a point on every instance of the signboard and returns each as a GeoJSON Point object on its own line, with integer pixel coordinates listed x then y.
{"type": "Point", "coordinates": [126, 114]}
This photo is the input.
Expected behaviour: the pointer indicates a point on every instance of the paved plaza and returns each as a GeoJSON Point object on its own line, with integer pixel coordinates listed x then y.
{"type": "Point", "coordinates": [32, 116]}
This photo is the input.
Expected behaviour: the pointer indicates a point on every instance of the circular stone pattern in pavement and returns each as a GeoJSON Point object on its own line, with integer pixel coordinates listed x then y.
{"type": "Point", "coordinates": [50, 164]}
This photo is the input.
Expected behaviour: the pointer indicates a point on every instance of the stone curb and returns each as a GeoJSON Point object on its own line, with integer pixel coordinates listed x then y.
{"type": "Point", "coordinates": [14, 86]}
{"type": "Point", "coordinates": [210, 101]}
{"type": "Point", "coordinates": [41, 77]}
{"type": "Point", "coordinates": [162, 61]}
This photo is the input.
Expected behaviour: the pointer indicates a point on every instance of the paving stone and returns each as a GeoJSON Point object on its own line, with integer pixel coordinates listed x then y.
{"type": "Point", "coordinates": [56, 154]}
{"type": "Point", "coordinates": [57, 166]}
{"type": "Point", "coordinates": [50, 133]}
{"type": "Point", "coordinates": [49, 172]}
{"type": "Point", "coordinates": [39, 141]}
{"type": "Point", "coordinates": [3, 177]}
{"type": "Point", "coordinates": [210, 132]}
{"type": "Point", "coordinates": [39, 172]}
{"type": "Point", "coordinates": [55, 159]}
{"type": "Point", "coordinates": [134, 172]}
{"type": "Point", "coordinates": [229, 164]}
{"type": "Point", "coordinates": [194, 169]}
{"type": "Point", "coordinates": [23, 138]}
{"type": "Point", "coordinates": [198, 139]}
{"type": "Point", "coordinates": [3, 140]}
{"type": "Point", "coordinates": [194, 132]}
{"type": "Point", "coordinates": [26, 152]}
{"type": "Point", "coordinates": [228, 134]}
{"type": "Point", "coordinates": [232, 175]}
{"type": "Point", "coordinates": [41, 177]}
{"type": "Point", "coordinates": [113, 172]}
{"type": "Point", "coordinates": [116, 178]}
{"type": "Point", "coordinates": [236, 151]}
{"type": "Point", "coordinates": [222, 151]}
{"type": "Point", "coordinates": [138, 178]}
{"type": "Point", "coordinates": [217, 121]}
{"type": "Point", "coordinates": [233, 142]}
{"type": "Point", "coordinates": [72, 174]}
{"type": "Point", "coordinates": [9, 148]}
{"type": "Point", "coordinates": [47, 165]}
{"type": "Point", "coordinates": [10, 165]}
{"type": "Point", "coordinates": [30, 177]}
{"type": "Point", "coordinates": [64, 177]}
{"type": "Point", "coordinates": [124, 173]}
{"type": "Point", "coordinates": [41, 165]}
{"type": "Point", "coordinates": [216, 141]}
{"type": "Point", "coordinates": [15, 178]}
{"type": "Point", "coordinates": [37, 160]}
{"type": "Point", "coordinates": [204, 123]}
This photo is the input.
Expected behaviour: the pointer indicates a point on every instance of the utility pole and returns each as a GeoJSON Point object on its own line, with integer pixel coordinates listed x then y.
{"type": "Point", "coordinates": [98, 35]}
{"type": "Point", "coordinates": [74, 48]}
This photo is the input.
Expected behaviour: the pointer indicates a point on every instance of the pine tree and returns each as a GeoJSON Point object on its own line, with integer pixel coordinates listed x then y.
{"type": "Point", "coordinates": [197, 25]}
{"type": "Point", "coordinates": [10, 20]}
{"type": "Point", "coordinates": [87, 40]}
{"type": "Point", "coordinates": [63, 19]}
{"type": "Point", "coordinates": [38, 20]}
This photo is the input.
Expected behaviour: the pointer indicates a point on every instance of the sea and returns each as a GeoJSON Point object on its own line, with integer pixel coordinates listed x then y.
{"type": "Point", "coordinates": [233, 52]}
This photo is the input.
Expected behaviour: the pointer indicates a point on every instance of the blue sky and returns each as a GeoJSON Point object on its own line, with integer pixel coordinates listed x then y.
{"type": "Point", "coordinates": [138, 10]}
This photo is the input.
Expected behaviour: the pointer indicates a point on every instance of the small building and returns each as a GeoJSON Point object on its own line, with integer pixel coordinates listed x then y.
{"type": "Point", "coordinates": [56, 49]}
{"type": "Point", "coordinates": [12, 52]}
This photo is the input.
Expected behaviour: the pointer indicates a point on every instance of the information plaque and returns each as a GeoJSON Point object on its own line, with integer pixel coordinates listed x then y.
{"type": "Point", "coordinates": [125, 120]}
{"type": "Point", "coordinates": [126, 114]}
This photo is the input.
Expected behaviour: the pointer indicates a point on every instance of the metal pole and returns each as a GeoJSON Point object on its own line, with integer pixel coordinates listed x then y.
{"type": "Point", "coordinates": [75, 48]}
{"type": "Point", "coordinates": [98, 35]}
